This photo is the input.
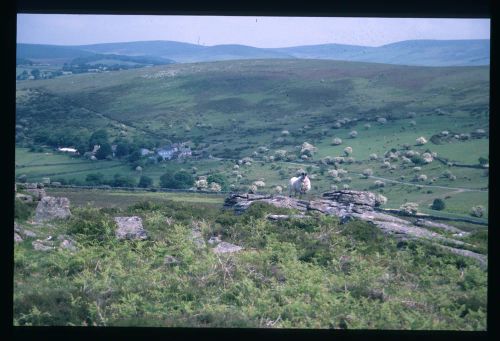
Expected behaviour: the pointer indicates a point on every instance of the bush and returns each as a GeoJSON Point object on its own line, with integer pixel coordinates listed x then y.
{"type": "Point", "coordinates": [178, 180]}
{"type": "Point", "coordinates": [94, 179]}
{"type": "Point", "coordinates": [104, 151]}
{"type": "Point", "coordinates": [145, 181]}
{"type": "Point", "coordinates": [220, 179]}
{"type": "Point", "coordinates": [22, 210]}
{"type": "Point", "coordinates": [91, 223]}
{"type": "Point", "coordinates": [121, 180]}
{"type": "Point", "coordinates": [477, 211]}
{"type": "Point", "coordinates": [438, 204]}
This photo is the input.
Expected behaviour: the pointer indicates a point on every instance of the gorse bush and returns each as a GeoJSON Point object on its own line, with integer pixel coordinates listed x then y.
{"type": "Point", "coordinates": [92, 224]}
{"type": "Point", "coordinates": [438, 204]}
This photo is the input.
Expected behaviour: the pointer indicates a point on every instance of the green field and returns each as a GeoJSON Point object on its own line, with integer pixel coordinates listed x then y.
{"type": "Point", "coordinates": [124, 199]}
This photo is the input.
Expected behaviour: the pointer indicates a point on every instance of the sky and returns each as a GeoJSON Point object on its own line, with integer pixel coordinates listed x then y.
{"type": "Point", "coordinates": [64, 29]}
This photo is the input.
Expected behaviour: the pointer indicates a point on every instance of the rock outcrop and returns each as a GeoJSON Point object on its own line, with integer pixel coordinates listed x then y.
{"type": "Point", "coordinates": [130, 228]}
{"type": "Point", "coordinates": [20, 231]}
{"type": "Point", "coordinates": [240, 202]}
{"type": "Point", "coordinates": [349, 204]}
{"type": "Point", "coordinates": [37, 193]}
{"type": "Point", "coordinates": [225, 247]}
{"type": "Point", "coordinates": [51, 208]}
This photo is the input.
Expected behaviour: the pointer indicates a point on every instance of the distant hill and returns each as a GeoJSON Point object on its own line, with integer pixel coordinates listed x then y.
{"type": "Point", "coordinates": [411, 52]}
{"type": "Point", "coordinates": [49, 53]}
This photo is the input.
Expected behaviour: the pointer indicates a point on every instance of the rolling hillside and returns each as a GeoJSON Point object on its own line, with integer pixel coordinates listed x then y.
{"type": "Point", "coordinates": [230, 110]}
{"type": "Point", "coordinates": [412, 52]}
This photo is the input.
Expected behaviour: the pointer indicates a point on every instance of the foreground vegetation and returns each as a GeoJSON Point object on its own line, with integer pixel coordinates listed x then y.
{"type": "Point", "coordinates": [290, 274]}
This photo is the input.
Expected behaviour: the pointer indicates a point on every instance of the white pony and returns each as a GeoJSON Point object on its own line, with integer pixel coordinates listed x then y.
{"type": "Point", "coordinates": [300, 184]}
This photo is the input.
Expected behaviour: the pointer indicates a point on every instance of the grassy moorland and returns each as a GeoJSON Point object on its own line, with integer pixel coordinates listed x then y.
{"type": "Point", "coordinates": [318, 274]}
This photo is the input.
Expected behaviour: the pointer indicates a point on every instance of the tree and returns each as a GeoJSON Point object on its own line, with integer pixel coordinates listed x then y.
{"type": "Point", "coordinates": [120, 180]}
{"type": "Point", "coordinates": [122, 149]}
{"type": "Point", "coordinates": [94, 178]}
{"type": "Point", "coordinates": [145, 181]}
{"type": "Point", "coordinates": [178, 180]}
{"type": "Point", "coordinates": [104, 151]}
{"type": "Point", "coordinates": [136, 155]}
{"type": "Point", "coordinates": [99, 137]}
{"type": "Point", "coordinates": [438, 204]}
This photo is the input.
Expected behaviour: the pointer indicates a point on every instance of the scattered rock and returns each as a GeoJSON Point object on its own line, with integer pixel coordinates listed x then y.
{"type": "Point", "coordinates": [67, 243]}
{"type": "Point", "coordinates": [198, 238]}
{"type": "Point", "coordinates": [225, 247]}
{"type": "Point", "coordinates": [25, 233]}
{"type": "Point", "coordinates": [17, 238]}
{"type": "Point", "coordinates": [130, 228]}
{"type": "Point", "coordinates": [38, 193]}
{"type": "Point", "coordinates": [33, 185]}
{"type": "Point", "coordinates": [214, 240]}
{"type": "Point", "coordinates": [170, 260]}
{"type": "Point", "coordinates": [42, 245]}
{"type": "Point", "coordinates": [52, 207]}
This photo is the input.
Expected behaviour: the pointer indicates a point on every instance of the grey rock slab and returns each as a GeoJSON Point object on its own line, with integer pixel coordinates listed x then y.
{"type": "Point", "coordinates": [397, 228]}
{"type": "Point", "coordinates": [42, 245]}
{"type": "Point", "coordinates": [28, 233]}
{"type": "Point", "coordinates": [130, 228]}
{"type": "Point", "coordinates": [68, 245]}
{"type": "Point", "coordinates": [482, 259]}
{"type": "Point", "coordinates": [428, 223]}
{"type": "Point", "coordinates": [51, 208]}
{"type": "Point", "coordinates": [37, 193]}
{"type": "Point", "coordinates": [225, 247]}
{"type": "Point", "coordinates": [170, 260]}
{"type": "Point", "coordinates": [352, 197]}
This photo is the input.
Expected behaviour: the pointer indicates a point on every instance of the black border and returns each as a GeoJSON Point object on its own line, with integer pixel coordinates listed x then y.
{"type": "Point", "coordinates": [353, 8]}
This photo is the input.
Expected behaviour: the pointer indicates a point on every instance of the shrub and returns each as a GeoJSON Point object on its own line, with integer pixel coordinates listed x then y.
{"type": "Point", "coordinates": [120, 180]}
{"type": "Point", "coordinates": [178, 180]}
{"type": "Point", "coordinates": [219, 179]}
{"type": "Point", "coordinates": [94, 179]}
{"type": "Point", "coordinates": [336, 141]}
{"type": "Point", "coordinates": [438, 204]}
{"type": "Point", "coordinates": [483, 161]}
{"type": "Point", "coordinates": [477, 211]}
{"type": "Point", "coordinates": [145, 181]}
{"type": "Point", "coordinates": [368, 172]}
{"type": "Point", "coordinates": [91, 223]}
{"type": "Point", "coordinates": [409, 208]}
